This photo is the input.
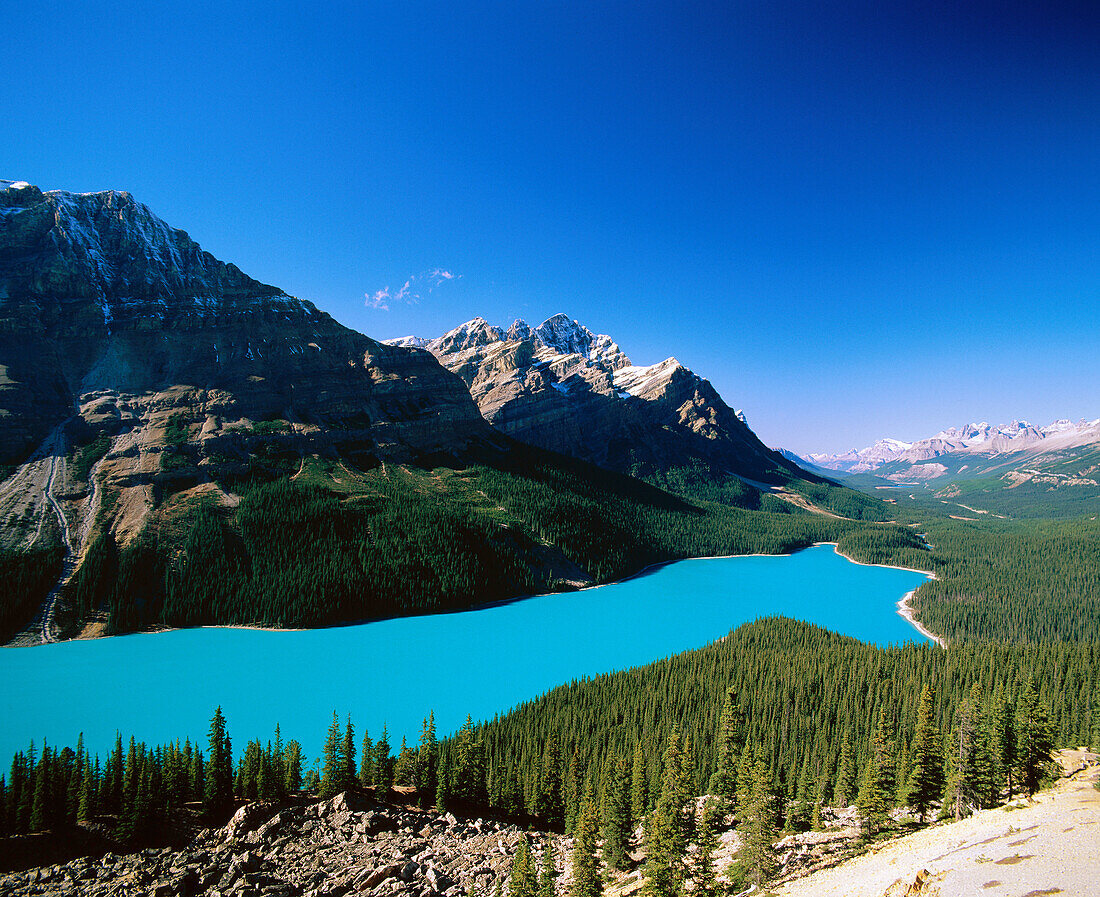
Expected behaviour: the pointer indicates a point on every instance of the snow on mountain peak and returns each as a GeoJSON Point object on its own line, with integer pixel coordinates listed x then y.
{"type": "Point", "coordinates": [570, 337]}
{"type": "Point", "coordinates": [978, 437]}
{"type": "Point", "coordinates": [519, 330]}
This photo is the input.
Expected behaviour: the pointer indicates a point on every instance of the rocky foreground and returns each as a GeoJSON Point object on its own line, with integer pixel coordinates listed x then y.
{"type": "Point", "coordinates": [341, 846]}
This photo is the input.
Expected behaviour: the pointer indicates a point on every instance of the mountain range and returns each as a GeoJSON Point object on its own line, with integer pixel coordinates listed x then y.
{"type": "Point", "coordinates": [177, 434]}
{"type": "Point", "coordinates": [1018, 469]}
{"type": "Point", "coordinates": [563, 388]}
{"type": "Point", "coordinates": [980, 439]}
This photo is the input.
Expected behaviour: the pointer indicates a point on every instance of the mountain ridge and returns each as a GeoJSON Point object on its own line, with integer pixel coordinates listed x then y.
{"type": "Point", "coordinates": [976, 438]}
{"type": "Point", "coordinates": [562, 387]}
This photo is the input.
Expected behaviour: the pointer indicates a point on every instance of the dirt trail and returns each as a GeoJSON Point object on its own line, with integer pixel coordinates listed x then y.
{"type": "Point", "coordinates": [1051, 846]}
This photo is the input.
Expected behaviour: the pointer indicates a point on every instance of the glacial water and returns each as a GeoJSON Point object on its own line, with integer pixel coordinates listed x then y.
{"type": "Point", "coordinates": [481, 662]}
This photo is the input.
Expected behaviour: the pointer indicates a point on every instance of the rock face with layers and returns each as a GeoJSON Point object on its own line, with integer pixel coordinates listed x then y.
{"type": "Point", "coordinates": [102, 299]}
{"type": "Point", "coordinates": [561, 387]}
{"type": "Point", "coordinates": [115, 325]}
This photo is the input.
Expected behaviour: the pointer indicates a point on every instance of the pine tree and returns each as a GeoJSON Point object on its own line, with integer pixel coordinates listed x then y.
{"type": "Point", "coordinates": [757, 856]}
{"type": "Point", "coordinates": [293, 767]}
{"type": "Point", "coordinates": [40, 804]}
{"type": "Point", "coordinates": [426, 759]}
{"type": "Point", "coordinates": [523, 879]}
{"type": "Point", "coordinates": [443, 784]}
{"type": "Point", "coordinates": [926, 779]}
{"type": "Point", "coordinates": [984, 782]}
{"type": "Point", "coordinates": [548, 874]}
{"type": "Point", "coordinates": [639, 786]}
{"type": "Point", "coordinates": [218, 794]}
{"type": "Point", "coordinates": [731, 741]}
{"type": "Point", "coordinates": [666, 829]}
{"type": "Point", "coordinates": [1035, 735]}
{"type": "Point", "coordinates": [383, 763]}
{"type": "Point", "coordinates": [114, 776]}
{"type": "Point", "coordinates": [703, 874]}
{"type": "Point", "coordinates": [278, 764]}
{"type": "Point", "coordinates": [468, 783]}
{"type": "Point", "coordinates": [196, 776]}
{"type": "Point", "coordinates": [404, 770]}
{"type": "Point", "coordinates": [366, 761]}
{"type": "Point", "coordinates": [86, 808]}
{"type": "Point", "coordinates": [333, 765]}
{"type": "Point", "coordinates": [616, 817]}
{"type": "Point", "coordinates": [347, 778]}
{"type": "Point", "coordinates": [1004, 738]}
{"type": "Point", "coordinates": [970, 764]}
{"type": "Point", "coordinates": [877, 785]}
{"type": "Point", "coordinates": [586, 864]}
{"type": "Point", "coordinates": [551, 800]}
{"type": "Point", "coordinates": [573, 789]}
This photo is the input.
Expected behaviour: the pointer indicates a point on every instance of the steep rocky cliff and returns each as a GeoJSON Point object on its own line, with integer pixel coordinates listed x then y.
{"type": "Point", "coordinates": [105, 305]}
{"type": "Point", "coordinates": [561, 387]}
{"type": "Point", "coordinates": [121, 339]}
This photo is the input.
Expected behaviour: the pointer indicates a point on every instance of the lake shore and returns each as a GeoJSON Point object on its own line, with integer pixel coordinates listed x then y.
{"type": "Point", "coordinates": [904, 608]}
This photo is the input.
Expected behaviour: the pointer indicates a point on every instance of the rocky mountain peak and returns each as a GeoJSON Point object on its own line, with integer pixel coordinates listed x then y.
{"type": "Point", "coordinates": [110, 248]}
{"type": "Point", "coordinates": [569, 337]}
{"type": "Point", "coordinates": [470, 335]}
{"type": "Point", "coordinates": [562, 387]}
{"type": "Point", "coordinates": [519, 330]}
{"type": "Point", "coordinates": [102, 296]}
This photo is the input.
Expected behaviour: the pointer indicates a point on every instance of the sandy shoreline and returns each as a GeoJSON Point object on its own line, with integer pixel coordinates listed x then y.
{"type": "Point", "coordinates": [905, 610]}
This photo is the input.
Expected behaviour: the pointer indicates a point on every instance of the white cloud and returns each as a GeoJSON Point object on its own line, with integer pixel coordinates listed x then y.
{"type": "Point", "coordinates": [410, 292]}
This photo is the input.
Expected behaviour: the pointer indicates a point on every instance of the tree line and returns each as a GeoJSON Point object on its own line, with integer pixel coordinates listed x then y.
{"type": "Point", "coordinates": [814, 709]}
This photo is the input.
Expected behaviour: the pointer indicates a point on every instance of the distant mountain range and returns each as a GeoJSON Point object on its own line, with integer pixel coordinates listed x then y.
{"type": "Point", "coordinates": [1018, 468]}
{"type": "Point", "coordinates": [978, 439]}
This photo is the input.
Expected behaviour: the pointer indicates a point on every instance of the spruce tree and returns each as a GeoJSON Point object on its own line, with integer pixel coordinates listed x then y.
{"type": "Point", "coordinates": [548, 873]}
{"type": "Point", "coordinates": [639, 786]}
{"type": "Point", "coordinates": [731, 740]}
{"type": "Point", "coordinates": [757, 855]}
{"type": "Point", "coordinates": [877, 785]}
{"type": "Point", "coordinates": [218, 794]}
{"type": "Point", "coordinates": [332, 761]}
{"type": "Point", "coordinates": [926, 778]}
{"type": "Point", "coordinates": [523, 879]}
{"type": "Point", "coordinates": [551, 800]}
{"type": "Point", "coordinates": [347, 778]}
{"type": "Point", "coordinates": [616, 817]}
{"type": "Point", "coordinates": [1035, 735]}
{"type": "Point", "coordinates": [586, 864]}
{"type": "Point", "coordinates": [383, 763]}
{"type": "Point", "coordinates": [40, 804]}
{"type": "Point", "coordinates": [366, 761]}
{"type": "Point", "coordinates": [426, 759]}
{"type": "Point", "coordinates": [666, 828]}
{"type": "Point", "coordinates": [1094, 724]}
{"type": "Point", "coordinates": [1004, 738]}
{"type": "Point", "coordinates": [703, 875]}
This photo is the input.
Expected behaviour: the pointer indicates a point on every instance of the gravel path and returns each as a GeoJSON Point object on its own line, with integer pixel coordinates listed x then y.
{"type": "Point", "coordinates": [1049, 847]}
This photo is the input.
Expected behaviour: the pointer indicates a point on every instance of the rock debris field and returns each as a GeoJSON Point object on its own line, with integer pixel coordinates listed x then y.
{"type": "Point", "coordinates": [332, 848]}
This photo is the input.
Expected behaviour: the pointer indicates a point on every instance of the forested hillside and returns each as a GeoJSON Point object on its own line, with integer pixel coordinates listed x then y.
{"type": "Point", "coordinates": [334, 542]}
{"type": "Point", "coordinates": [776, 720]}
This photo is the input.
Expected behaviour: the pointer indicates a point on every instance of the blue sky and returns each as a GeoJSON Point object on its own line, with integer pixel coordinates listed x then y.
{"type": "Point", "coordinates": [856, 220]}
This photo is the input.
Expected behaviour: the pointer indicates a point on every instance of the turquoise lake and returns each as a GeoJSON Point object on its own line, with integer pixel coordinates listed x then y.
{"type": "Point", "coordinates": [482, 662]}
